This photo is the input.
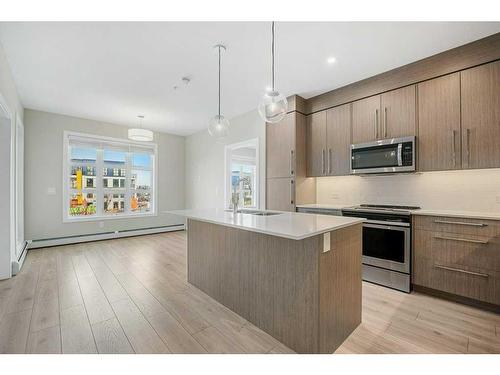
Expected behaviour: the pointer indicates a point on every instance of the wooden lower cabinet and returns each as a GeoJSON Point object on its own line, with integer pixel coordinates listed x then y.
{"type": "Point", "coordinates": [280, 194]}
{"type": "Point", "coordinates": [460, 256]}
{"type": "Point", "coordinates": [477, 284]}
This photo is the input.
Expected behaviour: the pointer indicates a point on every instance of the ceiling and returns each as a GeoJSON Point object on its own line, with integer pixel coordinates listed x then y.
{"type": "Point", "coordinates": [113, 71]}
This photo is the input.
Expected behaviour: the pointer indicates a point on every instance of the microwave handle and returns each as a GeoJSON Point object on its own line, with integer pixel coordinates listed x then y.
{"type": "Point", "coordinates": [400, 154]}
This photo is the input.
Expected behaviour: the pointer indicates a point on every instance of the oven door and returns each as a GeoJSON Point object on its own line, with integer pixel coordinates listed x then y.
{"type": "Point", "coordinates": [387, 246]}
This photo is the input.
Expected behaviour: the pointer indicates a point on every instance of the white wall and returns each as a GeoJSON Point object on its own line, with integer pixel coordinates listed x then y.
{"type": "Point", "coordinates": [10, 99]}
{"type": "Point", "coordinates": [43, 169]}
{"type": "Point", "coordinates": [205, 161]}
{"type": "Point", "coordinates": [471, 190]}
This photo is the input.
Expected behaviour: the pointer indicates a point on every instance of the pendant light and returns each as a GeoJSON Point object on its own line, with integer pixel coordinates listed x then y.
{"type": "Point", "coordinates": [273, 105]}
{"type": "Point", "coordinates": [218, 125]}
{"type": "Point", "coordinates": [140, 134]}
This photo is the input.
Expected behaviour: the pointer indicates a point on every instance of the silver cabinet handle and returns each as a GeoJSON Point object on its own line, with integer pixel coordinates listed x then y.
{"type": "Point", "coordinates": [483, 242]}
{"type": "Point", "coordinates": [329, 161]}
{"type": "Point", "coordinates": [385, 122]}
{"type": "Point", "coordinates": [460, 223]}
{"type": "Point", "coordinates": [376, 124]}
{"type": "Point", "coordinates": [323, 161]}
{"type": "Point", "coordinates": [453, 148]}
{"type": "Point", "coordinates": [291, 192]}
{"type": "Point", "coordinates": [291, 162]}
{"type": "Point", "coordinates": [468, 147]}
{"type": "Point", "coordinates": [461, 271]}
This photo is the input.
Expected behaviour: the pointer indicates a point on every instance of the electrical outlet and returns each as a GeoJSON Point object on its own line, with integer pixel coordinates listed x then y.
{"type": "Point", "coordinates": [335, 196]}
{"type": "Point", "coordinates": [498, 198]}
{"type": "Point", "coordinates": [101, 224]}
{"type": "Point", "coordinates": [51, 191]}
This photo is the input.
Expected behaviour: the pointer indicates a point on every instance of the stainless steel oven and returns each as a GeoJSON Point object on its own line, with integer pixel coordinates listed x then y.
{"type": "Point", "coordinates": [386, 244]}
{"type": "Point", "coordinates": [384, 156]}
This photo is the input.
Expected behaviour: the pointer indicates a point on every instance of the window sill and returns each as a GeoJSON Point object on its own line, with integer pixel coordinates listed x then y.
{"type": "Point", "coordinates": [107, 217]}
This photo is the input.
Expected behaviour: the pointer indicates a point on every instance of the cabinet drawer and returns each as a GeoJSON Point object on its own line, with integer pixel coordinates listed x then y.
{"type": "Point", "coordinates": [459, 280]}
{"type": "Point", "coordinates": [460, 249]}
{"type": "Point", "coordinates": [477, 227]}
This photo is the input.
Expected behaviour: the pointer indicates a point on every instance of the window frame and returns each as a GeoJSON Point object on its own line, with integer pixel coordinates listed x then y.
{"type": "Point", "coordinates": [99, 190]}
{"type": "Point", "coordinates": [253, 142]}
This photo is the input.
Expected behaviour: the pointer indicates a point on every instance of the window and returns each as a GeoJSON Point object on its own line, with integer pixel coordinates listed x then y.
{"type": "Point", "coordinates": [242, 175]}
{"type": "Point", "coordinates": [124, 185]}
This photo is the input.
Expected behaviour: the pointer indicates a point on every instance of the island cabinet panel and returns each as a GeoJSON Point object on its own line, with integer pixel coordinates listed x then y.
{"type": "Point", "coordinates": [439, 146]}
{"type": "Point", "coordinates": [316, 144]}
{"type": "Point", "coordinates": [480, 90]}
{"type": "Point", "coordinates": [340, 275]}
{"type": "Point", "coordinates": [397, 112]}
{"type": "Point", "coordinates": [366, 120]}
{"type": "Point", "coordinates": [338, 140]}
{"type": "Point", "coordinates": [308, 299]}
{"type": "Point", "coordinates": [280, 148]}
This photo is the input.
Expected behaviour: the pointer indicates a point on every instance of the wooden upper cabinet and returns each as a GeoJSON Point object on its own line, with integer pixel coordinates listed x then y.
{"type": "Point", "coordinates": [316, 144]}
{"type": "Point", "coordinates": [439, 124]}
{"type": "Point", "coordinates": [480, 89]}
{"type": "Point", "coordinates": [338, 140]}
{"type": "Point", "coordinates": [397, 113]}
{"type": "Point", "coordinates": [366, 119]}
{"type": "Point", "coordinates": [280, 149]}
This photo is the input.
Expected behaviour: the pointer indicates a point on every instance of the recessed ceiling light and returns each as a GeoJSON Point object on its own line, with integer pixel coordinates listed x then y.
{"type": "Point", "coordinates": [331, 60]}
{"type": "Point", "coordinates": [269, 88]}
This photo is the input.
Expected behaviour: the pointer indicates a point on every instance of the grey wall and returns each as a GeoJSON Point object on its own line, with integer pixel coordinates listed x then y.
{"type": "Point", "coordinates": [205, 161]}
{"type": "Point", "coordinates": [43, 169]}
{"type": "Point", "coordinates": [11, 100]}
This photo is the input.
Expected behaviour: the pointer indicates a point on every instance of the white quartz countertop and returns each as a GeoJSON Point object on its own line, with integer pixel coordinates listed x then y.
{"type": "Point", "coordinates": [292, 225]}
{"type": "Point", "coordinates": [459, 213]}
{"type": "Point", "coordinates": [322, 206]}
{"type": "Point", "coordinates": [423, 211]}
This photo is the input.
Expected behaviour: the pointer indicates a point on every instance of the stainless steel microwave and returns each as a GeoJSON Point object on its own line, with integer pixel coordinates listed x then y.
{"type": "Point", "coordinates": [384, 156]}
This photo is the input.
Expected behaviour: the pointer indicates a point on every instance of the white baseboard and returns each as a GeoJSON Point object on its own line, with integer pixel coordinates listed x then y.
{"type": "Point", "coordinates": [102, 236]}
{"type": "Point", "coordinates": [17, 264]}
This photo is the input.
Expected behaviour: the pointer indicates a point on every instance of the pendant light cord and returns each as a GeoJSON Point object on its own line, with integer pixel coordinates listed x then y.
{"type": "Point", "coordinates": [272, 54]}
{"type": "Point", "coordinates": [219, 82]}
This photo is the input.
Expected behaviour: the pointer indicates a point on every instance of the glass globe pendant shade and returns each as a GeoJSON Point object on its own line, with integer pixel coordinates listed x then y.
{"type": "Point", "coordinates": [139, 134]}
{"type": "Point", "coordinates": [218, 126]}
{"type": "Point", "coordinates": [273, 107]}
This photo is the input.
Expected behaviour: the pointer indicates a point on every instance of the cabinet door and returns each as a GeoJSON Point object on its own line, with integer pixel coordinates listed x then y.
{"type": "Point", "coordinates": [481, 116]}
{"type": "Point", "coordinates": [366, 119]}
{"type": "Point", "coordinates": [338, 140]}
{"type": "Point", "coordinates": [280, 194]}
{"type": "Point", "coordinates": [439, 124]}
{"type": "Point", "coordinates": [316, 144]}
{"type": "Point", "coordinates": [398, 113]}
{"type": "Point", "coordinates": [280, 139]}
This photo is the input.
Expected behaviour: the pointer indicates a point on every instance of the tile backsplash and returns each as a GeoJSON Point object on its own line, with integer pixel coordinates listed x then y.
{"type": "Point", "coordinates": [470, 190]}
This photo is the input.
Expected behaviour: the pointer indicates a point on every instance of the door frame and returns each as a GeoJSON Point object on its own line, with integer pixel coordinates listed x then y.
{"type": "Point", "coordinates": [253, 142]}
{"type": "Point", "coordinates": [7, 113]}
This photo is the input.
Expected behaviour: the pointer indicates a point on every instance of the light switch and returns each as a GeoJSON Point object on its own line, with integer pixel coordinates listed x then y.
{"type": "Point", "coordinates": [326, 242]}
{"type": "Point", "coordinates": [51, 191]}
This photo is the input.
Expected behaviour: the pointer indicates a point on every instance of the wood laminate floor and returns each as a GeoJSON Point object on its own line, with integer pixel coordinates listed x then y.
{"type": "Point", "coordinates": [131, 296]}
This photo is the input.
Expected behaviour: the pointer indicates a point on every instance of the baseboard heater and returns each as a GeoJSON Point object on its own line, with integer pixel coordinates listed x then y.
{"type": "Point", "coordinates": [56, 241]}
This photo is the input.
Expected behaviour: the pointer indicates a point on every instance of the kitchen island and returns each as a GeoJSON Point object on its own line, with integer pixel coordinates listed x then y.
{"type": "Point", "coordinates": [296, 276]}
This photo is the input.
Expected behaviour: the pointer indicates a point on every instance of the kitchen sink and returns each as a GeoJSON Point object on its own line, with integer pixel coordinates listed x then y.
{"type": "Point", "coordinates": [257, 213]}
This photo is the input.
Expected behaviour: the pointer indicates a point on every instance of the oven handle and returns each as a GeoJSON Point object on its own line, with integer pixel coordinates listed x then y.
{"type": "Point", "coordinates": [387, 224]}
